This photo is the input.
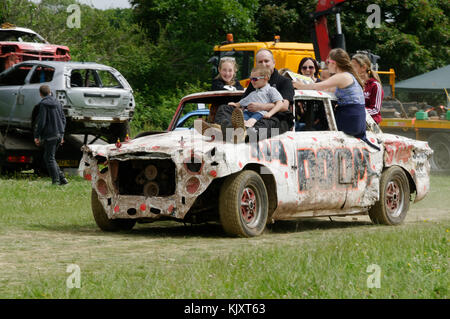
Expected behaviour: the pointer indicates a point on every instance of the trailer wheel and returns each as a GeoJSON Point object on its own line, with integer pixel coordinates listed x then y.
{"type": "Point", "coordinates": [102, 220]}
{"type": "Point", "coordinates": [440, 143]}
{"type": "Point", "coordinates": [393, 205]}
{"type": "Point", "coordinates": [243, 204]}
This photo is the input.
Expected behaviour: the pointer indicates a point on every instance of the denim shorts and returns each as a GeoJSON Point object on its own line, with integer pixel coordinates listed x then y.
{"type": "Point", "coordinates": [252, 115]}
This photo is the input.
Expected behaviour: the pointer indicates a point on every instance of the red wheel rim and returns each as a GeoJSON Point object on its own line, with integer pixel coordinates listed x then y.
{"type": "Point", "coordinates": [394, 200]}
{"type": "Point", "coordinates": [248, 205]}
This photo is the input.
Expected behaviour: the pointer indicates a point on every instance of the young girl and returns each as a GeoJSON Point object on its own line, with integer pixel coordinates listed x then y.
{"type": "Point", "coordinates": [350, 113]}
{"type": "Point", "coordinates": [373, 92]}
{"type": "Point", "coordinates": [226, 79]}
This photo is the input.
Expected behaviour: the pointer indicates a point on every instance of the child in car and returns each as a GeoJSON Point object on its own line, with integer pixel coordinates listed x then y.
{"type": "Point", "coordinates": [264, 95]}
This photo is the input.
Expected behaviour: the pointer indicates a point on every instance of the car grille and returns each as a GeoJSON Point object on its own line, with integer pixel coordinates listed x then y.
{"type": "Point", "coordinates": [149, 177]}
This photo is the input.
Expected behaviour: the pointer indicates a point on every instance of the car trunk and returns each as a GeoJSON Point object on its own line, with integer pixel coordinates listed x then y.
{"type": "Point", "coordinates": [93, 94]}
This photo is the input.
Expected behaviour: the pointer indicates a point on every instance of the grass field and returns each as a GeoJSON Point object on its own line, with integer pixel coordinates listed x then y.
{"type": "Point", "coordinates": [44, 229]}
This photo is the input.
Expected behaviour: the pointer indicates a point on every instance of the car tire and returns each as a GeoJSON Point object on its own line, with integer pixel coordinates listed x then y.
{"type": "Point", "coordinates": [102, 220]}
{"type": "Point", "coordinates": [243, 204]}
{"type": "Point", "coordinates": [394, 200]}
{"type": "Point", "coordinates": [118, 131]}
{"type": "Point", "coordinates": [440, 144]}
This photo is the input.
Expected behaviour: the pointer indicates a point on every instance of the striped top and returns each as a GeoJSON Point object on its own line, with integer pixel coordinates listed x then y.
{"type": "Point", "coordinates": [373, 94]}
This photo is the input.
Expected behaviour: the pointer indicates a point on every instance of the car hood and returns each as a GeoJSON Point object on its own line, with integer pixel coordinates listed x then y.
{"type": "Point", "coordinates": [169, 143]}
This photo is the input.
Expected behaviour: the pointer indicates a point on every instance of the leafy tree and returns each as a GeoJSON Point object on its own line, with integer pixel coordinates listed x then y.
{"type": "Point", "coordinates": [413, 37]}
{"type": "Point", "coordinates": [184, 33]}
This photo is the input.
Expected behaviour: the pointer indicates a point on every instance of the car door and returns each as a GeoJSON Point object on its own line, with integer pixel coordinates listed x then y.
{"type": "Point", "coordinates": [318, 153]}
{"type": "Point", "coordinates": [317, 164]}
{"type": "Point", "coordinates": [359, 167]}
{"type": "Point", "coordinates": [11, 82]}
{"type": "Point", "coordinates": [29, 96]}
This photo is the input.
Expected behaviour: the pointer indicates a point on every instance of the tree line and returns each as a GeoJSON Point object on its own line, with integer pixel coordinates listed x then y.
{"type": "Point", "coordinates": [162, 46]}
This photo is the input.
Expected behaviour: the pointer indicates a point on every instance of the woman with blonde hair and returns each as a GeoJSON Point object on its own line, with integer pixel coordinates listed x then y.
{"type": "Point", "coordinates": [226, 79]}
{"type": "Point", "coordinates": [373, 91]}
{"type": "Point", "coordinates": [350, 113]}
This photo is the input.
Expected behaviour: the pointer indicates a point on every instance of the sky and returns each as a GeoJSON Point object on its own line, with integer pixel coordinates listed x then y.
{"type": "Point", "coordinates": [103, 4]}
{"type": "Point", "coordinates": [107, 4]}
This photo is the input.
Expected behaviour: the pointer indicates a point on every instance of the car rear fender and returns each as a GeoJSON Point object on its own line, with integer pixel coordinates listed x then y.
{"type": "Point", "coordinates": [413, 157]}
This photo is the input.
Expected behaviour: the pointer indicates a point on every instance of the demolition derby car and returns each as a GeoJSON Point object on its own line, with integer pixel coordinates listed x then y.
{"type": "Point", "coordinates": [96, 98]}
{"type": "Point", "coordinates": [186, 176]}
{"type": "Point", "coordinates": [22, 44]}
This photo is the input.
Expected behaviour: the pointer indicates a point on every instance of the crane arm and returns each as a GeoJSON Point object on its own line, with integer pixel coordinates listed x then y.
{"type": "Point", "coordinates": [321, 39]}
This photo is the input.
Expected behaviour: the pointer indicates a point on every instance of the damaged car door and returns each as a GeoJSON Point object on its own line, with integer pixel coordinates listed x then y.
{"type": "Point", "coordinates": [12, 110]}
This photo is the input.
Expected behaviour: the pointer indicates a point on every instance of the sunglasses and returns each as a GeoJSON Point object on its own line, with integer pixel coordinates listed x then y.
{"type": "Point", "coordinates": [311, 67]}
{"type": "Point", "coordinates": [256, 78]}
{"type": "Point", "coordinates": [329, 61]}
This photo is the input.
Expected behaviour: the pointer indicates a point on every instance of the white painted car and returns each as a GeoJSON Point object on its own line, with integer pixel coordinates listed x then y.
{"type": "Point", "coordinates": [185, 176]}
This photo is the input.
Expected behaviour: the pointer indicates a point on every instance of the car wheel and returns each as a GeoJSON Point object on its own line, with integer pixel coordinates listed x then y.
{"type": "Point", "coordinates": [243, 204]}
{"type": "Point", "coordinates": [393, 205]}
{"type": "Point", "coordinates": [102, 220]}
{"type": "Point", "coordinates": [440, 144]}
{"type": "Point", "coordinates": [118, 131]}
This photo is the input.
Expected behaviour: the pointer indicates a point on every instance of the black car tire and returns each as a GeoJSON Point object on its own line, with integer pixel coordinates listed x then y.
{"type": "Point", "coordinates": [394, 199]}
{"type": "Point", "coordinates": [243, 204]}
{"type": "Point", "coordinates": [102, 220]}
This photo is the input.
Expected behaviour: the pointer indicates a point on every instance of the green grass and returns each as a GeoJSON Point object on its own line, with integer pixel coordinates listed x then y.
{"type": "Point", "coordinates": [43, 229]}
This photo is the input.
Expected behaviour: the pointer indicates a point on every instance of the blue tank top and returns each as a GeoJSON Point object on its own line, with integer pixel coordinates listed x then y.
{"type": "Point", "coordinates": [352, 94]}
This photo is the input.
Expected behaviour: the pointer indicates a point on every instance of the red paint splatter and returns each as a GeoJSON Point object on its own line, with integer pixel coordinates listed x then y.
{"type": "Point", "coordinates": [116, 209]}
{"type": "Point", "coordinates": [240, 165]}
{"type": "Point", "coordinates": [286, 174]}
{"type": "Point", "coordinates": [170, 209]}
{"type": "Point", "coordinates": [213, 173]}
{"type": "Point", "coordinates": [155, 147]}
{"type": "Point", "coordinates": [314, 139]}
{"type": "Point", "coordinates": [143, 207]}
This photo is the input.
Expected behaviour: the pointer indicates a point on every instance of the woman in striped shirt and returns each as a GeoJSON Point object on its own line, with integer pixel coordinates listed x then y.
{"type": "Point", "coordinates": [373, 91]}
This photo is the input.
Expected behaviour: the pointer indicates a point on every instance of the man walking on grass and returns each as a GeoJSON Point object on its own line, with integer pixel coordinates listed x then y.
{"type": "Point", "coordinates": [49, 132]}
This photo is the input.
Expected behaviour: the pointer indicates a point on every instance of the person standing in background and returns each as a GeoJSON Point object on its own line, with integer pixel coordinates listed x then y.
{"type": "Point", "coordinates": [373, 91]}
{"type": "Point", "coordinates": [49, 132]}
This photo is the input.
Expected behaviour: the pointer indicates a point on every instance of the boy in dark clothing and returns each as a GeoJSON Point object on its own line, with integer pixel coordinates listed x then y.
{"type": "Point", "coordinates": [49, 131]}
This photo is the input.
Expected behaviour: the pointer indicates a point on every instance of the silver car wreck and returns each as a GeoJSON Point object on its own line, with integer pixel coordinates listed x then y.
{"type": "Point", "coordinates": [185, 176]}
{"type": "Point", "coordinates": [96, 98]}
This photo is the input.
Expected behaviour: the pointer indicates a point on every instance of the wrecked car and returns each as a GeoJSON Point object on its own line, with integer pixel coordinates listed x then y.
{"type": "Point", "coordinates": [185, 176]}
{"type": "Point", "coordinates": [22, 44]}
{"type": "Point", "coordinates": [96, 98]}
